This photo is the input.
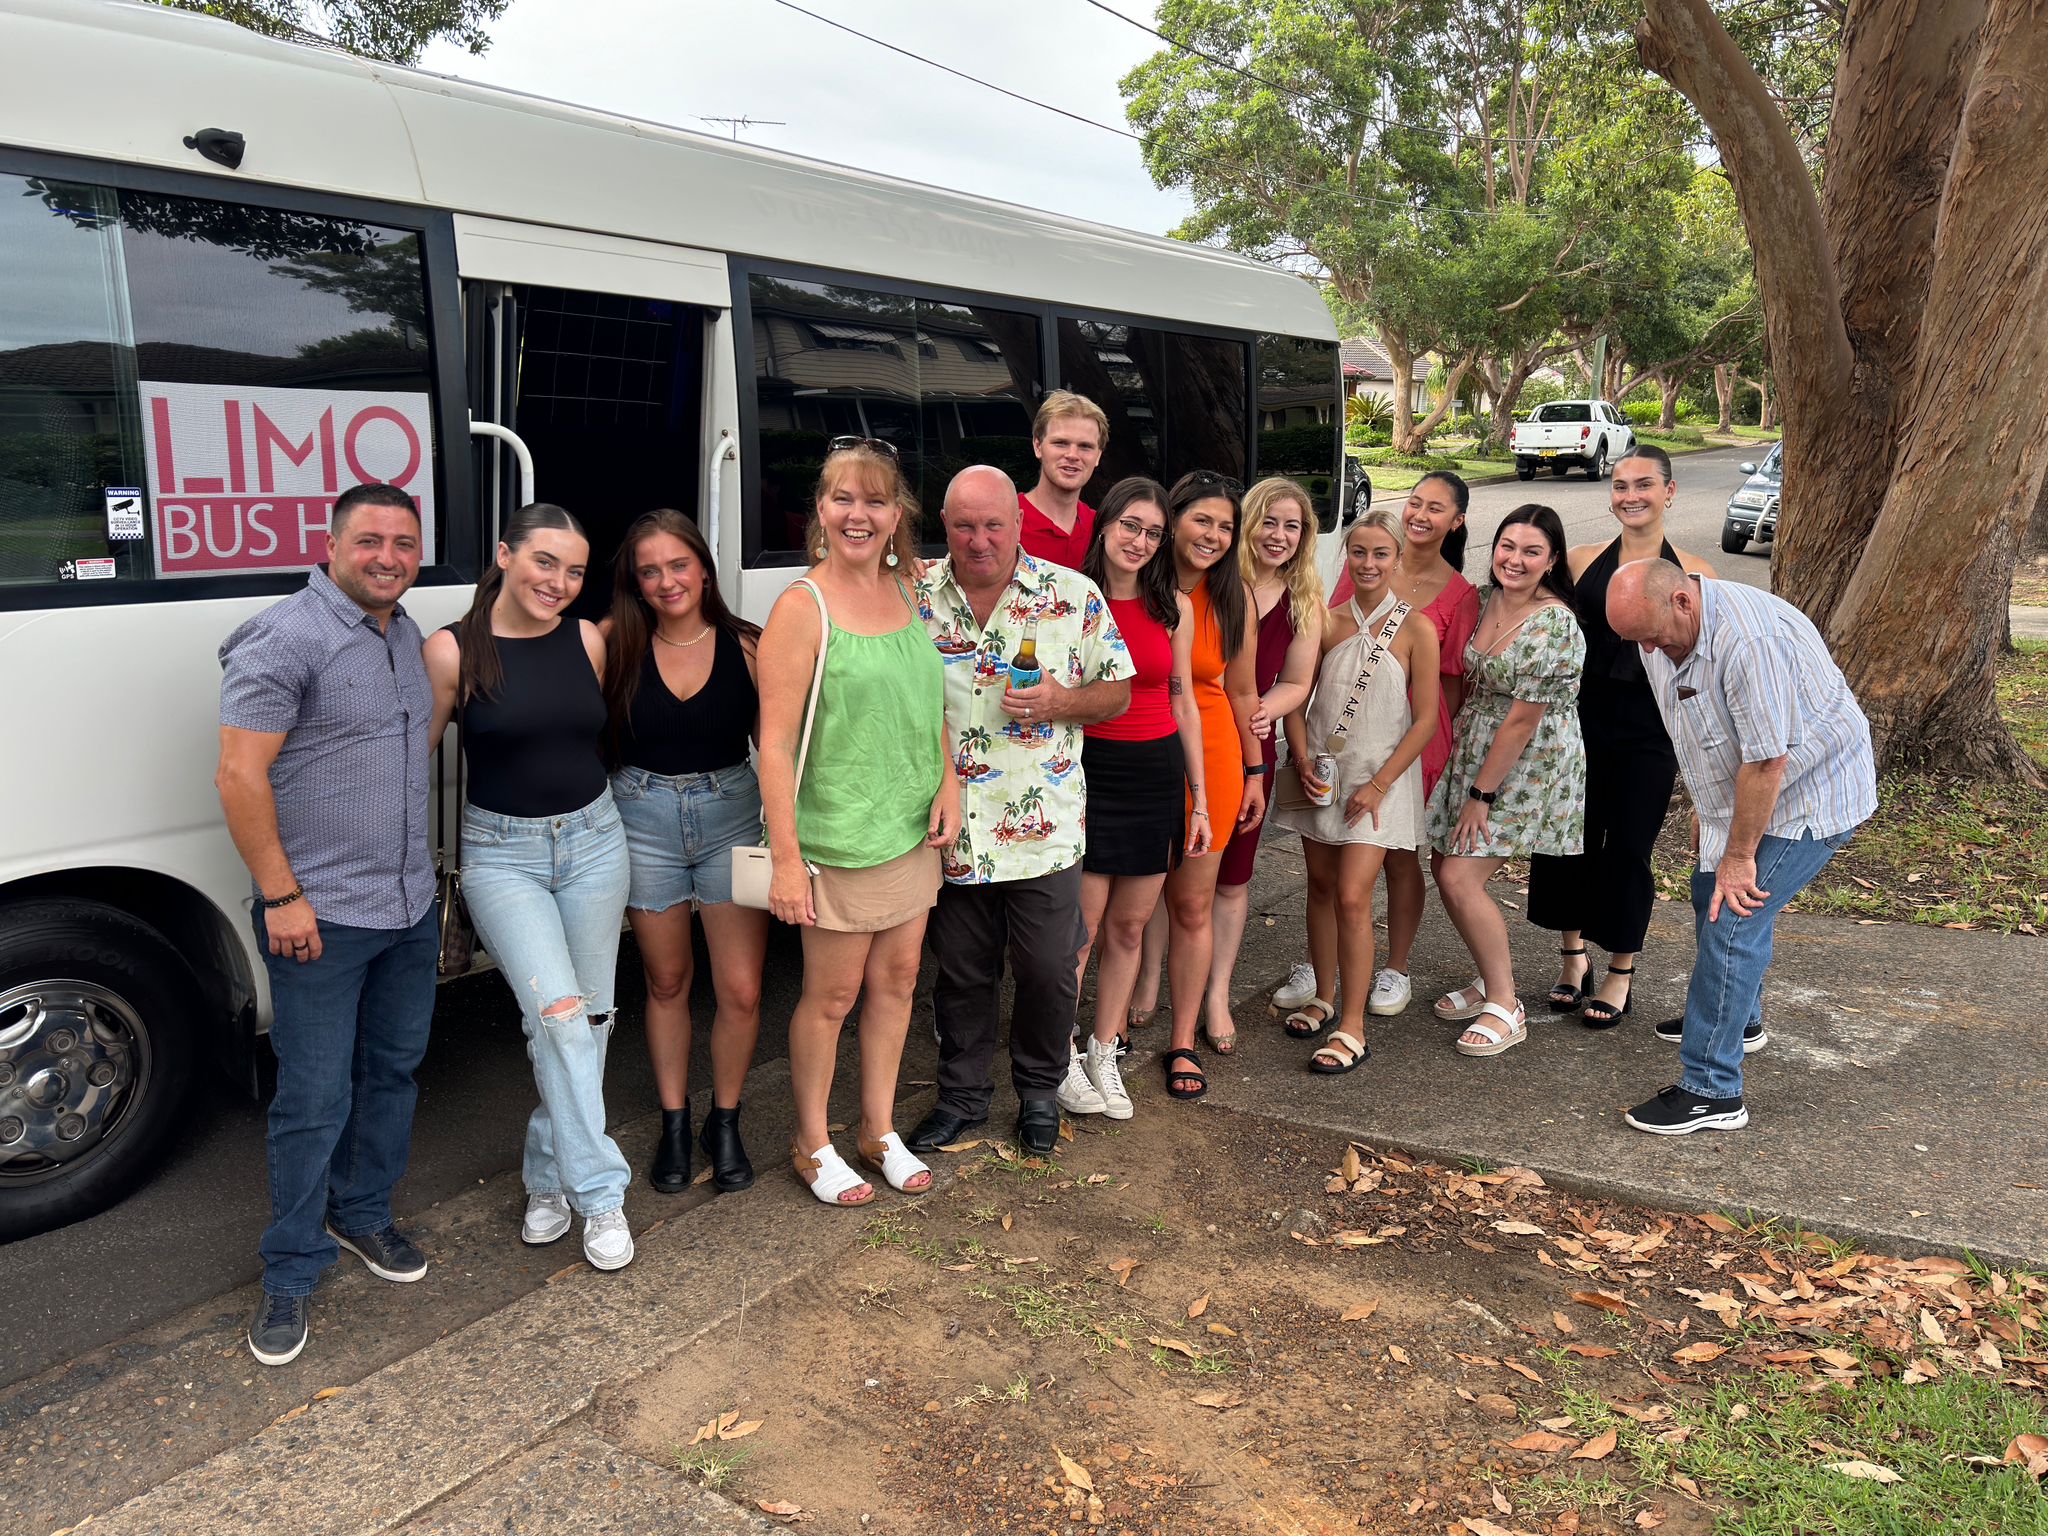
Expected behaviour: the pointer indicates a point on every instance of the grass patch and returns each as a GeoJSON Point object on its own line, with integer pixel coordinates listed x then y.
{"type": "Point", "coordinates": [1940, 851]}
{"type": "Point", "coordinates": [710, 1466]}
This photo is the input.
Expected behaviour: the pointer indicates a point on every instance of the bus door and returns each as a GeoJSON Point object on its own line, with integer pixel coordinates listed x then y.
{"type": "Point", "coordinates": [610, 360]}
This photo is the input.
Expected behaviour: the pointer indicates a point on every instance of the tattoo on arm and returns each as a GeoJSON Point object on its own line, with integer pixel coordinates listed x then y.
{"type": "Point", "coordinates": [1173, 685]}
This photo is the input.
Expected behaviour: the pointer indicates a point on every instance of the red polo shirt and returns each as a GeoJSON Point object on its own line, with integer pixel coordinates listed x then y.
{"type": "Point", "coordinates": [1043, 540]}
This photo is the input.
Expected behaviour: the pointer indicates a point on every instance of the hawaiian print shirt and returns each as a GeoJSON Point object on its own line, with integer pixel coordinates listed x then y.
{"type": "Point", "coordinates": [1024, 802]}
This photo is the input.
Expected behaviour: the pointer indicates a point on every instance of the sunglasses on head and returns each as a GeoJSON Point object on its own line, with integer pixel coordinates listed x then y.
{"type": "Point", "coordinates": [874, 444]}
{"type": "Point", "coordinates": [1207, 477]}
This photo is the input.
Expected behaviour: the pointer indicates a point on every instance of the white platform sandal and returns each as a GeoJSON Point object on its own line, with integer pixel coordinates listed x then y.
{"type": "Point", "coordinates": [1465, 1003]}
{"type": "Point", "coordinates": [895, 1162]}
{"type": "Point", "coordinates": [1496, 1041]}
{"type": "Point", "coordinates": [833, 1179]}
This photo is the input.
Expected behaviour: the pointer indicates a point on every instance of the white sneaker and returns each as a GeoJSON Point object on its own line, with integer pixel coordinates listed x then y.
{"type": "Point", "coordinates": [1076, 1094]}
{"type": "Point", "coordinates": [1297, 989]}
{"type": "Point", "coordinates": [547, 1218]}
{"type": "Point", "coordinates": [1107, 1079]}
{"type": "Point", "coordinates": [1390, 993]}
{"type": "Point", "coordinates": [607, 1240]}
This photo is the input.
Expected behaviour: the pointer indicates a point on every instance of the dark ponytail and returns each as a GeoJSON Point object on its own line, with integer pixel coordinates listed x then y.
{"type": "Point", "coordinates": [1453, 549]}
{"type": "Point", "coordinates": [481, 671]}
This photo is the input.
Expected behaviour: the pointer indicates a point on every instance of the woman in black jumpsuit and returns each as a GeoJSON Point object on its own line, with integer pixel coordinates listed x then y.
{"type": "Point", "coordinates": [1604, 894]}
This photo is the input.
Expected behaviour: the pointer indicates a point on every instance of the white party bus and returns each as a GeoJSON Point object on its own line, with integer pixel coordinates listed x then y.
{"type": "Point", "coordinates": [238, 276]}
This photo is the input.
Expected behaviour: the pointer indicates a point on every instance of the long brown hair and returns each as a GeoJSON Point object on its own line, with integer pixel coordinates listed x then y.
{"type": "Point", "coordinates": [1156, 586]}
{"type": "Point", "coordinates": [481, 671]}
{"type": "Point", "coordinates": [1227, 597]}
{"type": "Point", "coordinates": [633, 624]}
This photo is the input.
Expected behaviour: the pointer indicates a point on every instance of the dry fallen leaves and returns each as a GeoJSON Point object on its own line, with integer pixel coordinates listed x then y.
{"type": "Point", "coordinates": [783, 1510]}
{"type": "Point", "coordinates": [1122, 1268]}
{"type": "Point", "coordinates": [1599, 1448]}
{"type": "Point", "coordinates": [1178, 1346]}
{"type": "Point", "coordinates": [1542, 1440]}
{"type": "Point", "coordinates": [1399, 1355]}
{"type": "Point", "coordinates": [2029, 1451]}
{"type": "Point", "coordinates": [1868, 1471]}
{"type": "Point", "coordinates": [1199, 1305]}
{"type": "Point", "coordinates": [1076, 1474]}
{"type": "Point", "coordinates": [1605, 1301]}
{"type": "Point", "coordinates": [1519, 1228]}
{"type": "Point", "coordinates": [1358, 1312]}
{"type": "Point", "coordinates": [1699, 1354]}
{"type": "Point", "coordinates": [1222, 1402]}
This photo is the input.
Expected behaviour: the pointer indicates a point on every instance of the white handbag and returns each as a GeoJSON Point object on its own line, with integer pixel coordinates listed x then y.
{"type": "Point", "coordinates": [753, 871]}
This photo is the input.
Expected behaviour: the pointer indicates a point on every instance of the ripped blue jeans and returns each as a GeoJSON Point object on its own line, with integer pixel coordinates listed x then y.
{"type": "Point", "coordinates": [547, 895]}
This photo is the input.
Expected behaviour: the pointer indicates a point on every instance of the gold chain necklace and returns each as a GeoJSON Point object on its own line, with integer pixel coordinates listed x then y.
{"type": "Point", "coordinates": [684, 645]}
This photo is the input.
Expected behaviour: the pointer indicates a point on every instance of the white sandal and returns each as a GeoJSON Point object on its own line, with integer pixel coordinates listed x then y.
{"type": "Point", "coordinates": [1496, 1042]}
{"type": "Point", "coordinates": [1466, 1002]}
{"type": "Point", "coordinates": [895, 1162]}
{"type": "Point", "coordinates": [1315, 1023]}
{"type": "Point", "coordinates": [834, 1177]}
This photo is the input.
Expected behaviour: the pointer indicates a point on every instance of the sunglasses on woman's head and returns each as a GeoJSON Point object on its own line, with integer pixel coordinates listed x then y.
{"type": "Point", "coordinates": [875, 444]}
{"type": "Point", "coordinates": [1205, 477]}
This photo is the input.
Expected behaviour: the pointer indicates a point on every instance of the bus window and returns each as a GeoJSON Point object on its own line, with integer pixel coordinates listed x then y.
{"type": "Point", "coordinates": [185, 385]}
{"type": "Point", "coordinates": [1298, 423]}
{"type": "Point", "coordinates": [1175, 401]}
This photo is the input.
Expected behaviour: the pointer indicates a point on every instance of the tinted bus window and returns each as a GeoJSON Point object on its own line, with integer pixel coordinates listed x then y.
{"type": "Point", "coordinates": [1175, 401]}
{"type": "Point", "coordinates": [186, 385]}
{"type": "Point", "coordinates": [1298, 423]}
{"type": "Point", "coordinates": [946, 385]}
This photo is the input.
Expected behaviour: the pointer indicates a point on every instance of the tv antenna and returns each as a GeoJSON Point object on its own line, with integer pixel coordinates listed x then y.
{"type": "Point", "coordinates": [737, 123]}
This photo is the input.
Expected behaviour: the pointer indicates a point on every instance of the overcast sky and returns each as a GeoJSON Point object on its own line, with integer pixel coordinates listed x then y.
{"type": "Point", "coordinates": [676, 61]}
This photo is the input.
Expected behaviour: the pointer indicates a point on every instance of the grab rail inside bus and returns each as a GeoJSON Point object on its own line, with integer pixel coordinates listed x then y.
{"type": "Point", "coordinates": [519, 451]}
{"type": "Point", "coordinates": [727, 449]}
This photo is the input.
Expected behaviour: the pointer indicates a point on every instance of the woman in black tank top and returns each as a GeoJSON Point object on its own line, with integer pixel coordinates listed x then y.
{"type": "Point", "coordinates": [682, 707]}
{"type": "Point", "coordinates": [1605, 894]}
{"type": "Point", "coordinates": [544, 856]}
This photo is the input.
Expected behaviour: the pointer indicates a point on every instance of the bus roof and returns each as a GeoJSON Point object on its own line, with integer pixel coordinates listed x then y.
{"type": "Point", "coordinates": [127, 83]}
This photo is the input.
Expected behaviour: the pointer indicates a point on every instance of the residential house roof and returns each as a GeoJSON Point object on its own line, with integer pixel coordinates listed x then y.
{"type": "Point", "coordinates": [1364, 358]}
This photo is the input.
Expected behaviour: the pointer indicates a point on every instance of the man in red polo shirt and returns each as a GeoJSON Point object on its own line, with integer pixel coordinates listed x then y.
{"type": "Point", "coordinates": [1068, 436]}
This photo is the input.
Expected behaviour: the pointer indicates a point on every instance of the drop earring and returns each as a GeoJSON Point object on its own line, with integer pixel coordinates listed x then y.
{"type": "Point", "coordinates": [892, 561]}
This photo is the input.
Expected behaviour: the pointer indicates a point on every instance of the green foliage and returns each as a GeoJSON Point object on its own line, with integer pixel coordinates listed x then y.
{"type": "Point", "coordinates": [1296, 451]}
{"type": "Point", "coordinates": [1426, 462]}
{"type": "Point", "coordinates": [1643, 413]}
{"type": "Point", "coordinates": [397, 31]}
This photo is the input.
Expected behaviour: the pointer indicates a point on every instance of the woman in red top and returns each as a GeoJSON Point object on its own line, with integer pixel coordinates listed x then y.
{"type": "Point", "coordinates": [1138, 767]}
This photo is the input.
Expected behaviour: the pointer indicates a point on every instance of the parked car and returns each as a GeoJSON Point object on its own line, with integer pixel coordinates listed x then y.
{"type": "Point", "coordinates": [1571, 434]}
{"type": "Point", "coordinates": [1753, 510]}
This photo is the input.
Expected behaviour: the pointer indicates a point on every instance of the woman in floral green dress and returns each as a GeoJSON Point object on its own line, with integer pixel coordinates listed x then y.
{"type": "Point", "coordinates": [1516, 782]}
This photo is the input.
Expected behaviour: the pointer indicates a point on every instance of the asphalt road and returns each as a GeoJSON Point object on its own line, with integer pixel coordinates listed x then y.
{"type": "Point", "coordinates": [190, 1233]}
{"type": "Point", "coordinates": [1705, 482]}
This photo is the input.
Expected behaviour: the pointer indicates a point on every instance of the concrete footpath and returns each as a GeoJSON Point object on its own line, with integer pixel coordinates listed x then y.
{"type": "Point", "coordinates": [1897, 1105]}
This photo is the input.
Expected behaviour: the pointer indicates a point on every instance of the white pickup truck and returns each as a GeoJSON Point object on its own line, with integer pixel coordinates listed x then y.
{"type": "Point", "coordinates": [1571, 434]}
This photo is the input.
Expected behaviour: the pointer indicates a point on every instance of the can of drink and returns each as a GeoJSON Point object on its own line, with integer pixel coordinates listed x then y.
{"type": "Point", "coordinates": [1323, 769]}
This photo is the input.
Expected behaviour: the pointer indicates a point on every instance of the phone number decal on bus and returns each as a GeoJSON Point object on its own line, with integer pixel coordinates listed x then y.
{"type": "Point", "coordinates": [244, 478]}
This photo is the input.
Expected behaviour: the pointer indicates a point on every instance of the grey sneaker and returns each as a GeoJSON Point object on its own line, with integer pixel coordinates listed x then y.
{"type": "Point", "coordinates": [1076, 1094]}
{"type": "Point", "coordinates": [607, 1240]}
{"type": "Point", "coordinates": [387, 1253]}
{"type": "Point", "coordinates": [278, 1330]}
{"type": "Point", "coordinates": [1297, 989]}
{"type": "Point", "coordinates": [547, 1219]}
{"type": "Point", "coordinates": [1390, 993]}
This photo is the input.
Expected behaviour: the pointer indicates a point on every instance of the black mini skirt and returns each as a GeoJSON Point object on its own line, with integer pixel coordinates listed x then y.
{"type": "Point", "coordinates": [1137, 805]}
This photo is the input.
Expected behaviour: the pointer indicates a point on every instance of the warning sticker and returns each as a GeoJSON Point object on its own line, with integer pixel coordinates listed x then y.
{"type": "Point", "coordinates": [126, 516]}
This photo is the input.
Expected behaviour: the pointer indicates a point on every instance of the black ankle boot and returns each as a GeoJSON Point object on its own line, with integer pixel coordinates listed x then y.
{"type": "Point", "coordinates": [720, 1140]}
{"type": "Point", "coordinates": [671, 1171]}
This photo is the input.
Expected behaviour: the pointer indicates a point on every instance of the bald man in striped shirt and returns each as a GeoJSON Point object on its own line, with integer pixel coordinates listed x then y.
{"type": "Point", "coordinates": [1776, 755]}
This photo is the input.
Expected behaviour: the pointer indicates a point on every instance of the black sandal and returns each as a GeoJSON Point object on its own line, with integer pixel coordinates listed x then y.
{"type": "Point", "coordinates": [1192, 1070]}
{"type": "Point", "coordinates": [1609, 1015]}
{"type": "Point", "coordinates": [1564, 997]}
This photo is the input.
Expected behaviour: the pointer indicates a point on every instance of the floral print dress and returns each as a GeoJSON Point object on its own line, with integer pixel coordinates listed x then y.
{"type": "Point", "coordinates": [1542, 802]}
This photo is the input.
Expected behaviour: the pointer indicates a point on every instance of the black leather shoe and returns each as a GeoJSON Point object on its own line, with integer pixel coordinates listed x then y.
{"type": "Point", "coordinates": [720, 1139]}
{"type": "Point", "coordinates": [1038, 1125]}
{"type": "Point", "coordinates": [940, 1128]}
{"type": "Point", "coordinates": [671, 1171]}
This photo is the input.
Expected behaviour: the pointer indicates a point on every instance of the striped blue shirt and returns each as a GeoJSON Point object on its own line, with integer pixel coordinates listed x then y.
{"type": "Point", "coordinates": [1760, 684]}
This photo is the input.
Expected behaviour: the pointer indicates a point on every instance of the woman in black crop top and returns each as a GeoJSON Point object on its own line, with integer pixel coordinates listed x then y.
{"type": "Point", "coordinates": [1603, 895]}
{"type": "Point", "coordinates": [544, 856]}
{"type": "Point", "coordinates": [679, 675]}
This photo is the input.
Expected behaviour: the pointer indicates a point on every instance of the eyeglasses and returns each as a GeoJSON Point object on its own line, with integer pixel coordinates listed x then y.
{"type": "Point", "coordinates": [1144, 533]}
{"type": "Point", "coordinates": [874, 444]}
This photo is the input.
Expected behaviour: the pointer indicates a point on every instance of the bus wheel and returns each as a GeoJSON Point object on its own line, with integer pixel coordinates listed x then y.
{"type": "Point", "coordinates": [98, 1031]}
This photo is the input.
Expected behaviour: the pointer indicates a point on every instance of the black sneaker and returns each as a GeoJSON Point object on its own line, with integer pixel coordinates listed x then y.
{"type": "Point", "coordinates": [1754, 1036]}
{"type": "Point", "coordinates": [1675, 1112]}
{"type": "Point", "coordinates": [387, 1254]}
{"type": "Point", "coordinates": [278, 1330]}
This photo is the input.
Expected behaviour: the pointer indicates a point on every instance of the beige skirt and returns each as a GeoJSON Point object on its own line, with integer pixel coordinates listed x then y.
{"type": "Point", "coordinates": [878, 898]}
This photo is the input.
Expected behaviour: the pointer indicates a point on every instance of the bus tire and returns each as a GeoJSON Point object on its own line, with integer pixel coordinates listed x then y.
{"type": "Point", "coordinates": [99, 1034]}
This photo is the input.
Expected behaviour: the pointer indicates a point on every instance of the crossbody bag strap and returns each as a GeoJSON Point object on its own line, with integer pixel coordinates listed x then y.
{"type": "Point", "coordinates": [1356, 701]}
{"type": "Point", "coordinates": [803, 749]}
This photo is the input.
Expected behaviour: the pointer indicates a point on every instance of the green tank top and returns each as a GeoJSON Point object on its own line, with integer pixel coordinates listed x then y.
{"type": "Point", "coordinates": [874, 763]}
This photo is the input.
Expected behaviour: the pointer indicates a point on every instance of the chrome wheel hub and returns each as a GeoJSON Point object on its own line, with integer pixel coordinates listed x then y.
{"type": "Point", "coordinates": [74, 1059]}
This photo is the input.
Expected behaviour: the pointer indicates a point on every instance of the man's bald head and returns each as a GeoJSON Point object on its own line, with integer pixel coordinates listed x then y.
{"type": "Point", "coordinates": [1655, 604]}
{"type": "Point", "coordinates": [982, 521]}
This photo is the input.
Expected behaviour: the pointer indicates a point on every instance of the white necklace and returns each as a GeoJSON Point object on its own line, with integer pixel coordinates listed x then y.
{"type": "Point", "coordinates": [683, 645]}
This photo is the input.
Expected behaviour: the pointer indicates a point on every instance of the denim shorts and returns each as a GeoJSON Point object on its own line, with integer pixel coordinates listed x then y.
{"type": "Point", "coordinates": [680, 828]}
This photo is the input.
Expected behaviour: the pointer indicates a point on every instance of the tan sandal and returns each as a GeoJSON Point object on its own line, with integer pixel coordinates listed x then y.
{"type": "Point", "coordinates": [1304, 1025]}
{"type": "Point", "coordinates": [1341, 1053]}
{"type": "Point", "coordinates": [1496, 1042]}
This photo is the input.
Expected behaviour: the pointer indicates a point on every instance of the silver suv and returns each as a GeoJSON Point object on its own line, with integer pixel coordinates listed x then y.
{"type": "Point", "coordinates": [1753, 510]}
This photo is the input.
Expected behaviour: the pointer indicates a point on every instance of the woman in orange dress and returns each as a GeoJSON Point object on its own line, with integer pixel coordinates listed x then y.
{"type": "Point", "coordinates": [1204, 511]}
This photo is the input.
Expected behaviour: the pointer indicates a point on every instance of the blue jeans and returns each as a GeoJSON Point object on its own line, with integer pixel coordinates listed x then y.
{"type": "Point", "coordinates": [547, 895]}
{"type": "Point", "coordinates": [1727, 989]}
{"type": "Point", "coordinates": [349, 1031]}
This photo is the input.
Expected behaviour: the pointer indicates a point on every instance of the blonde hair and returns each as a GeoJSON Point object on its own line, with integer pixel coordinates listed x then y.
{"type": "Point", "coordinates": [1064, 402]}
{"type": "Point", "coordinates": [1387, 520]}
{"type": "Point", "coordinates": [1304, 582]}
{"type": "Point", "coordinates": [878, 474]}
